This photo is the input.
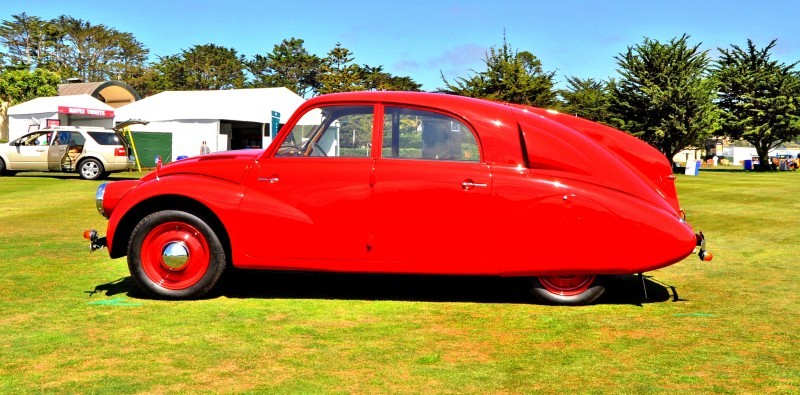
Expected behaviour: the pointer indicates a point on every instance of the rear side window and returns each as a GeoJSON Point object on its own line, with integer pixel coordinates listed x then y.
{"type": "Point", "coordinates": [77, 139]}
{"type": "Point", "coordinates": [418, 134]}
{"type": "Point", "coordinates": [106, 138]}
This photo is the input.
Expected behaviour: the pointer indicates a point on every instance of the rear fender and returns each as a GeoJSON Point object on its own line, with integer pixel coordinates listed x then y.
{"type": "Point", "coordinates": [586, 229]}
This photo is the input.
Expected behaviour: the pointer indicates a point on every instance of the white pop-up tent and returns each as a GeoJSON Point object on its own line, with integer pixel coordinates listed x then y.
{"type": "Point", "coordinates": [74, 110]}
{"type": "Point", "coordinates": [226, 119]}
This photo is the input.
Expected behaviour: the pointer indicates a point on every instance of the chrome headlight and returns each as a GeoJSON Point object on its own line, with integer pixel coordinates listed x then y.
{"type": "Point", "coordinates": [98, 198]}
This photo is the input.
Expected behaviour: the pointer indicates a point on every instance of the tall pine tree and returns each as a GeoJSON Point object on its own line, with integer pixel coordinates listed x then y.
{"type": "Point", "coordinates": [290, 65]}
{"type": "Point", "coordinates": [586, 98]}
{"type": "Point", "coordinates": [663, 95]}
{"type": "Point", "coordinates": [759, 98]}
{"type": "Point", "coordinates": [339, 73]}
{"type": "Point", "coordinates": [510, 76]}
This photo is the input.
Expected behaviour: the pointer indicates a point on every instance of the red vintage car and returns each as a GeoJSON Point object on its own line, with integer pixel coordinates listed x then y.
{"type": "Point", "coordinates": [416, 183]}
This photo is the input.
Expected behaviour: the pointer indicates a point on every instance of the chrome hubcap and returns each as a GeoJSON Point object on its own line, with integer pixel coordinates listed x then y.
{"type": "Point", "coordinates": [90, 169]}
{"type": "Point", "coordinates": [175, 255]}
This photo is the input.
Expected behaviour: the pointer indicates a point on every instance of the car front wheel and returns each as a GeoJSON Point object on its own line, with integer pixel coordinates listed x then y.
{"type": "Point", "coordinates": [175, 255]}
{"type": "Point", "coordinates": [3, 171]}
{"type": "Point", "coordinates": [567, 290]}
{"type": "Point", "coordinates": [91, 169]}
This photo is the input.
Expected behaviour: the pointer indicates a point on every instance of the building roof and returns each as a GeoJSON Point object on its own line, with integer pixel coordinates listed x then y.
{"type": "Point", "coordinates": [113, 93]}
{"type": "Point", "coordinates": [50, 104]}
{"type": "Point", "coordinates": [251, 105]}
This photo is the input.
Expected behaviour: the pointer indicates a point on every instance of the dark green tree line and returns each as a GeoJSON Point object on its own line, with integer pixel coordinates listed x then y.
{"type": "Point", "coordinates": [667, 93]}
{"type": "Point", "coordinates": [290, 65]}
{"type": "Point", "coordinates": [759, 98]}
{"type": "Point", "coordinates": [202, 67]}
{"type": "Point", "coordinates": [17, 86]}
{"type": "Point", "coordinates": [71, 47]}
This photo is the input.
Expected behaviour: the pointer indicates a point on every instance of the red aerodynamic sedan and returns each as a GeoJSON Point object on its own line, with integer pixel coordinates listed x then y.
{"type": "Point", "coordinates": [414, 183]}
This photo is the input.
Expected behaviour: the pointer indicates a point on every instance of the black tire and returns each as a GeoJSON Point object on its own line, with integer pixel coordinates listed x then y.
{"type": "Point", "coordinates": [583, 294]}
{"type": "Point", "coordinates": [162, 277]}
{"type": "Point", "coordinates": [3, 171]}
{"type": "Point", "coordinates": [91, 169]}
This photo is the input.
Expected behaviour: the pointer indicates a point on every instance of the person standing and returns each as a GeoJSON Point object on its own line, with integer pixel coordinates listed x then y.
{"type": "Point", "coordinates": [204, 148]}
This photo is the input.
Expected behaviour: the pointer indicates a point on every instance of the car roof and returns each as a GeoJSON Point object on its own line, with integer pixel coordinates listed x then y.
{"type": "Point", "coordinates": [76, 129]}
{"type": "Point", "coordinates": [414, 98]}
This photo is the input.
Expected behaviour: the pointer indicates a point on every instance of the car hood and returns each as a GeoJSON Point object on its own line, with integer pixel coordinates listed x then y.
{"type": "Point", "coordinates": [227, 165]}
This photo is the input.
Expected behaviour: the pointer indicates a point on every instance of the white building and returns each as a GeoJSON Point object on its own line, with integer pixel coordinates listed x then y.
{"type": "Point", "coordinates": [740, 154]}
{"type": "Point", "coordinates": [226, 119]}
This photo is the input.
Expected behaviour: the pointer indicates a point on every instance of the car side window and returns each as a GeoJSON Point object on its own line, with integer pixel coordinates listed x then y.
{"type": "Point", "coordinates": [337, 131]}
{"type": "Point", "coordinates": [39, 138]}
{"type": "Point", "coordinates": [63, 138]}
{"type": "Point", "coordinates": [418, 134]}
{"type": "Point", "coordinates": [77, 139]}
{"type": "Point", "coordinates": [105, 138]}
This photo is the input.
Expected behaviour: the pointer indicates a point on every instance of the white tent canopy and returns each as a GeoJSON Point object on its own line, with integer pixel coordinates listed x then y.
{"type": "Point", "coordinates": [225, 119]}
{"type": "Point", "coordinates": [250, 105]}
{"type": "Point", "coordinates": [38, 111]}
{"type": "Point", "coordinates": [51, 104]}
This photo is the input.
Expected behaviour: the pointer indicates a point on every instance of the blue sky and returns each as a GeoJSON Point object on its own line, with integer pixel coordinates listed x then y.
{"type": "Point", "coordinates": [420, 39]}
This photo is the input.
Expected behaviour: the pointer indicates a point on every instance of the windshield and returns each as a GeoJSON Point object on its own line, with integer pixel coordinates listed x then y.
{"type": "Point", "coordinates": [331, 131]}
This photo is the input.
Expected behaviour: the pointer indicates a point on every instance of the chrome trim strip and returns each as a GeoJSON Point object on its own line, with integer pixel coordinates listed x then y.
{"type": "Point", "coordinates": [98, 198]}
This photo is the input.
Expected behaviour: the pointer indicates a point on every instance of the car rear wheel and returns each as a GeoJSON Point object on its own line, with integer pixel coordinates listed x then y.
{"type": "Point", "coordinates": [91, 169]}
{"type": "Point", "coordinates": [175, 255]}
{"type": "Point", "coordinates": [568, 290]}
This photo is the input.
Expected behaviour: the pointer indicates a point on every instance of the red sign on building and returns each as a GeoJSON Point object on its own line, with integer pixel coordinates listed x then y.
{"type": "Point", "coordinates": [85, 111]}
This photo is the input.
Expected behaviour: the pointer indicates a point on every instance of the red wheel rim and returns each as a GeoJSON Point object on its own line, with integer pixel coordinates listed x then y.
{"type": "Point", "coordinates": [166, 273]}
{"type": "Point", "coordinates": [566, 285]}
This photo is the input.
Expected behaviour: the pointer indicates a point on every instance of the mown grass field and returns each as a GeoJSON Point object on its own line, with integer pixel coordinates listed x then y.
{"type": "Point", "coordinates": [71, 322]}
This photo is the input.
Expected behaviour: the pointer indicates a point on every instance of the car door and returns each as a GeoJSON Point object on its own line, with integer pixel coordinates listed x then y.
{"type": "Point", "coordinates": [309, 203]}
{"type": "Point", "coordinates": [29, 152]}
{"type": "Point", "coordinates": [57, 152]}
{"type": "Point", "coordinates": [432, 196]}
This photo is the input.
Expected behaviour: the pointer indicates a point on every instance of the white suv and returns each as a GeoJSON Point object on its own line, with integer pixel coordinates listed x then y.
{"type": "Point", "coordinates": [91, 151]}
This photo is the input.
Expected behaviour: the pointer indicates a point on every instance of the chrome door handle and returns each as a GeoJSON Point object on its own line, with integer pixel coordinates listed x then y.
{"type": "Point", "coordinates": [271, 180]}
{"type": "Point", "coordinates": [469, 184]}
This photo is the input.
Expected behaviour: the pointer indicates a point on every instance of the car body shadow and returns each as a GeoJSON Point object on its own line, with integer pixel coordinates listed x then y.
{"type": "Point", "coordinates": [241, 284]}
{"type": "Point", "coordinates": [123, 175]}
{"type": "Point", "coordinates": [53, 175]}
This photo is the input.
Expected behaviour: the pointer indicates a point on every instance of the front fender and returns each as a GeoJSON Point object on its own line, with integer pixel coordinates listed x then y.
{"type": "Point", "coordinates": [214, 199]}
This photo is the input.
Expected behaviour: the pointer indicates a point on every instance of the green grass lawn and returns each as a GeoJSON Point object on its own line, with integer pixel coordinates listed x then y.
{"type": "Point", "coordinates": [71, 322]}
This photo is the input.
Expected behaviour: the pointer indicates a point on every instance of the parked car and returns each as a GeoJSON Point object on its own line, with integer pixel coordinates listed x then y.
{"type": "Point", "coordinates": [783, 162]}
{"type": "Point", "coordinates": [399, 182]}
{"type": "Point", "coordinates": [92, 152]}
